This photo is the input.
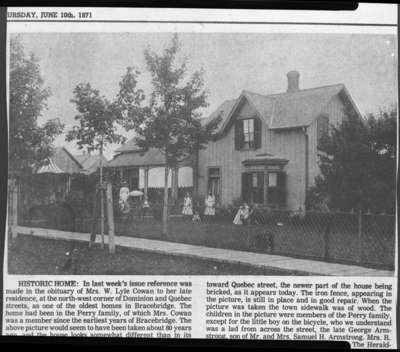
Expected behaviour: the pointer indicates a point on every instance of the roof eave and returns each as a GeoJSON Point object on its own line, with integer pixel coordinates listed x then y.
{"type": "Point", "coordinates": [265, 161]}
{"type": "Point", "coordinates": [289, 127]}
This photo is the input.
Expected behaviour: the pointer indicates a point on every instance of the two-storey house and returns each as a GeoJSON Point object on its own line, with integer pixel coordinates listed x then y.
{"type": "Point", "coordinates": [265, 150]}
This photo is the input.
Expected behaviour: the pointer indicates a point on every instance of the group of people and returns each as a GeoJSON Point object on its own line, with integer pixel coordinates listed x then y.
{"type": "Point", "coordinates": [191, 209]}
{"type": "Point", "coordinates": [243, 216]}
{"type": "Point", "coordinates": [124, 204]}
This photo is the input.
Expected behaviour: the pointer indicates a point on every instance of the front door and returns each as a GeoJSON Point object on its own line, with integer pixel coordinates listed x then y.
{"type": "Point", "coordinates": [253, 187]}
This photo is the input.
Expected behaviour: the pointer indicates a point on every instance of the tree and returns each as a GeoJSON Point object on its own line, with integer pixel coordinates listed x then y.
{"type": "Point", "coordinates": [358, 164]}
{"type": "Point", "coordinates": [30, 144]}
{"type": "Point", "coordinates": [171, 119]}
{"type": "Point", "coordinates": [96, 126]}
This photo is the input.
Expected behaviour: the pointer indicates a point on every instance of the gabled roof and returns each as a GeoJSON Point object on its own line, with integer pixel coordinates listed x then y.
{"type": "Point", "coordinates": [284, 110]}
{"type": "Point", "coordinates": [224, 109]}
{"type": "Point", "coordinates": [50, 168]}
{"type": "Point", "coordinates": [62, 161]}
{"type": "Point", "coordinates": [129, 146]}
{"type": "Point", "coordinates": [137, 158]}
{"type": "Point", "coordinates": [90, 163]}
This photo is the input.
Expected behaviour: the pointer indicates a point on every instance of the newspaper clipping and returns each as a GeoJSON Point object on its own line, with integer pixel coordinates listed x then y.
{"type": "Point", "coordinates": [218, 174]}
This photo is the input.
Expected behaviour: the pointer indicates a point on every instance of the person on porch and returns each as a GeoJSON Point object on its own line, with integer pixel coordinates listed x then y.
{"type": "Point", "coordinates": [123, 198]}
{"type": "Point", "coordinates": [187, 205]}
{"type": "Point", "coordinates": [209, 211]}
{"type": "Point", "coordinates": [145, 208]}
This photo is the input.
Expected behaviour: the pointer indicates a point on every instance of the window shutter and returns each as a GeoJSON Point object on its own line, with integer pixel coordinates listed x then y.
{"type": "Point", "coordinates": [281, 185]}
{"type": "Point", "coordinates": [238, 134]}
{"type": "Point", "coordinates": [257, 133]}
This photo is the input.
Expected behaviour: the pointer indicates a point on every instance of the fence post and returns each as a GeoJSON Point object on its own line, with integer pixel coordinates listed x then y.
{"type": "Point", "coordinates": [359, 242]}
{"type": "Point", "coordinates": [110, 219]}
{"type": "Point", "coordinates": [14, 208]}
{"type": "Point", "coordinates": [326, 235]}
{"type": "Point", "coordinates": [249, 235]}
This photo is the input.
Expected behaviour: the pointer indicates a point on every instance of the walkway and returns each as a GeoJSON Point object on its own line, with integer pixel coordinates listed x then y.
{"type": "Point", "coordinates": [217, 254]}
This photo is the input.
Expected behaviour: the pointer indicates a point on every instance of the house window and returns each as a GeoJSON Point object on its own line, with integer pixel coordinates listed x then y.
{"type": "Point", "coordinates": [253, 187]}
{"type": "Point", "coordinates": [276, 193]}
{"type": "Point", "coordinates": [131, 176]}
{"type": "Point", "coordinates": [248, 134]}
{"type": "Point", "coordinates": [214, 181]}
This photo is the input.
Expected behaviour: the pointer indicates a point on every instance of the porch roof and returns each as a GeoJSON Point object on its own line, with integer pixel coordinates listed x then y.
{"type": "Point", "coordinates": [152, 157]}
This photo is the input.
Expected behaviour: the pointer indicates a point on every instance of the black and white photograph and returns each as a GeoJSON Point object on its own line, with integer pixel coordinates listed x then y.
{"type": "Point", "coordinates": [224, 174]}
{"type": "Point", "coordinates": [202, 153]}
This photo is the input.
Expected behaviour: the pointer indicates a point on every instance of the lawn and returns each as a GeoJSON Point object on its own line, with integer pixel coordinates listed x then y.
{"type": "Point", "coordinates": [278, 234]}
{"type": "Point", "coordinates": [38, 256]}
{"type": "Point", "coordinates": [303, 238]}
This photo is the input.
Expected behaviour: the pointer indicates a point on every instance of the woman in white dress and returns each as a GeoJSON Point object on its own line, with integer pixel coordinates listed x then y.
{"type": "Point", "coordinates": [187, 205]}
{"type": "Point", "coordinates": [242, 215]}
{"type": "Point", "coordinates": [123, 198]}
{"type": "Point", "coordinates": [210, 205]}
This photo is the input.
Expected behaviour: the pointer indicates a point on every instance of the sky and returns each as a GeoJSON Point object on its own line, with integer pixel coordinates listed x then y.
{"type": "Point", "coordinates": [232, 62]}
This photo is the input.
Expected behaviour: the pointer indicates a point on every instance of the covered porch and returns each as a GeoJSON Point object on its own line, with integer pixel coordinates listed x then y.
{"type": "Point", "coordinates": [145, 171]}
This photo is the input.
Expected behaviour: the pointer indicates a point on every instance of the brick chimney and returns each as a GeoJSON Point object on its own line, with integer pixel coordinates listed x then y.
{"type": "Point", "coordinates": [293, 81]}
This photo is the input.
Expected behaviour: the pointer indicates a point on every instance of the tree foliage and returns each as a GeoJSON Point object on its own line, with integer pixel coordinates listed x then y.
{"type": "Point", "coordinates": [358, 164]}
{"type": "Point", "coordinates": [96, 120]}
{"type": "Point", "coordinates": [170, 119]}
{"type": "Point", "coordinates": [30, 144]}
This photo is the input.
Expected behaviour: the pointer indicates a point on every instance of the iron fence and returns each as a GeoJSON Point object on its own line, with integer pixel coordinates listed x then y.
{"type": "Point", "coordinates": [364, 239]}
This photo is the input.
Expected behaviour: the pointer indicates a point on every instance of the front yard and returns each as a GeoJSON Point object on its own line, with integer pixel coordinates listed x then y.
{"type": "Point", "coordinates": [38, 256]}
{"type": "Point", "coordinates": [336, 237]}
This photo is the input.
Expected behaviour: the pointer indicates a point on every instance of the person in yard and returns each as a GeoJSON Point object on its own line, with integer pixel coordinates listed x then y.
{"type": "Point", "coordinates": [145, 208]}
{"type": "Point", "coordinates": [196, 217]}
{"type": "Point", "coordinates": [209, 211]}
{"type": "Point", "coordinates": [254, 215]}
{"type": "Point", "coordinates": [123, 198]}
{"type": "Point", "coordinates": [242, 215]}
{"type": "Point", "coordinates": [196, 212]}
{"type": "Point", "coordinates": [187, 205]}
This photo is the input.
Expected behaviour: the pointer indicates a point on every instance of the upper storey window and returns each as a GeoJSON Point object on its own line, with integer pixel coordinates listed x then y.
{"type": "Point", "coordinates": [247, 134]}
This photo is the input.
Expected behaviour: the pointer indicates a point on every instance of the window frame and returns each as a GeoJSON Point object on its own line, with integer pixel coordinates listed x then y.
{"type": "Point", "coordinates": [248, 136]}
{"type": "Point", "coordinates": [219, 178]}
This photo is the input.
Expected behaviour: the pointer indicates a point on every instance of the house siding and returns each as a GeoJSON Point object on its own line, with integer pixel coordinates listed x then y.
{"type": "Point", "coordinates": [335, 109]}
{"type": "Point", "coordinates": [288, 144]}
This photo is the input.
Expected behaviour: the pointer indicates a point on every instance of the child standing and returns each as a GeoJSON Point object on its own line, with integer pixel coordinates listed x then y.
{"type": "Point", "coordinates": [187, 205]}
{"type": "Point", "coordinates": [210, 205]}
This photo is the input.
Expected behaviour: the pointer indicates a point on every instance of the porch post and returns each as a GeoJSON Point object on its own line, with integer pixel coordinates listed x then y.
{"type": "Point", "coordinates": [121, 174]}
{"type": "Point", "coordinates": [146, 182]}
{"type": "Point", "coordinates": [266, 188]}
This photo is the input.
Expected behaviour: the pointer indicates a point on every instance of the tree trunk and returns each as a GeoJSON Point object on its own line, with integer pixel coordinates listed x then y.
{"type": "Point", "coordinates": [13, 210]}
{"type": "Point", "coordinates": [165, 205]}
{"type": "Point", "coordinates": [195, 165]}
